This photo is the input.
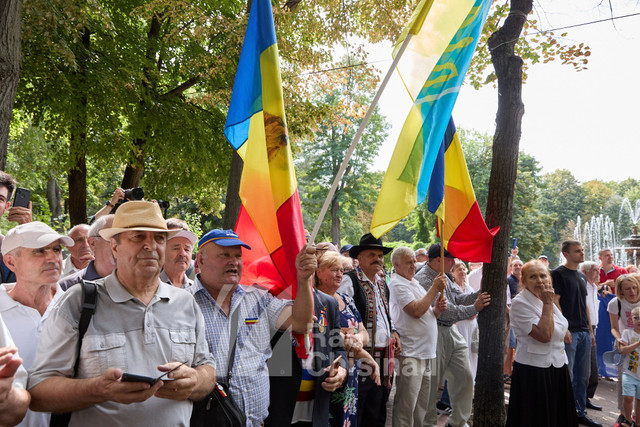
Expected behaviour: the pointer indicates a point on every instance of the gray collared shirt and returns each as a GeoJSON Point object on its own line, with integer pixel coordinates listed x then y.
{"type": "Point", "coordinates": [459, 306]}
{"type": "Point", "coordinates": [187, 281]}
{"type": "Point", "coordinates": [127, 334]}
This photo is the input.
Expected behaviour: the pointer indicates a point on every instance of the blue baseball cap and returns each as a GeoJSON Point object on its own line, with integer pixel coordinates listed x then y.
{"type": "Point", "coordinates": [222, 238]}
{"type": "Point", "coordinates": [345, 248]}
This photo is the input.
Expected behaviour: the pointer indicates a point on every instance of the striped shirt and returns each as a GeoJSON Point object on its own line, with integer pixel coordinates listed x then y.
{"type": "Point", "coordinates": [259, 311]}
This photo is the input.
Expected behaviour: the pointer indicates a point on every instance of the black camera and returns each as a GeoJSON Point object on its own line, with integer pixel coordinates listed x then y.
{"type": "Point", "coordinates": [136, 193]}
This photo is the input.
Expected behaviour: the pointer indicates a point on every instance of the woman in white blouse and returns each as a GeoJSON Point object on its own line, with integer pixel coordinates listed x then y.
{"type": "Point", "coordinates": [541, 392]}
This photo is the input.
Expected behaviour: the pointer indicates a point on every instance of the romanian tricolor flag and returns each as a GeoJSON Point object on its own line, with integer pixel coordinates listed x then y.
{"type": "Point", "coordinates": [270, 219]}
{"type": "Point", "coordinates": [445, 34]}
{"type": "Point", "coordinates": [451, 197]}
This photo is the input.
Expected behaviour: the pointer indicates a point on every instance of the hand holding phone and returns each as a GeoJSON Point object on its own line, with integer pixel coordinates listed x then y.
{"type": "Point", "coordinates": [126, 377]}
{"type": "Point", "coordinates": [21, 197]}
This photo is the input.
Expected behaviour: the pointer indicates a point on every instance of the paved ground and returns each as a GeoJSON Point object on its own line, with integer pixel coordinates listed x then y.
{"type": "Point", "coordinates": [606, 396]}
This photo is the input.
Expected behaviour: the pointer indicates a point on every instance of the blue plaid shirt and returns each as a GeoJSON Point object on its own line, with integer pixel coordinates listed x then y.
{"type": "Point", "coordinates": [259, 311]}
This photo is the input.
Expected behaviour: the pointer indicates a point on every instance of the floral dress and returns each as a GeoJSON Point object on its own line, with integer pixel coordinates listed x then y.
{"type": "Point", "coordinates": [344, 400]}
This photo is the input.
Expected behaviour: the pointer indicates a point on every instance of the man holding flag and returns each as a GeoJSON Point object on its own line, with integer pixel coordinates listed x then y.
{"type": "Point", "coordinates": [219, 294]}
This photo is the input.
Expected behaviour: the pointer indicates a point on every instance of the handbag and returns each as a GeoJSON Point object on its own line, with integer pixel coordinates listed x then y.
{"type": "Point", "coordinates": [218, 408]}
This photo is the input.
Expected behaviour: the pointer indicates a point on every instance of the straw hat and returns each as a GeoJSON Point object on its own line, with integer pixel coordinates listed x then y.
{"type": "Point", "coordinates": [137, 215]}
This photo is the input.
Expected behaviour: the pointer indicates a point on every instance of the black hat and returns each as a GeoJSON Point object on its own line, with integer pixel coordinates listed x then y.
{"type": "Point", "coordinates": [434, 252]}
{"type": "Point", "coordinates": [368, 242]}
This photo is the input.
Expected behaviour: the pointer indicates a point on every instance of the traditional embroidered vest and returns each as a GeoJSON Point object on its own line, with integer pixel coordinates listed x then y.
{"type": "Point", "coordinates": [365, 299]}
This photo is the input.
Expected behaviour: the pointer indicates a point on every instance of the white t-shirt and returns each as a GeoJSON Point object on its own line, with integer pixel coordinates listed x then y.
{"type": "Point", "coordinates": [526, 310]}
{"type": "Point", "coordinates": [20, 378]}
{"type": "Point", "coordinates": [475, 279]}
{"type": "Point", "coordinates": [419, 336]}
{"type": "Point", "coordinates": [25, 325]}
{"type": "Point", "coordinates": [624, 318]}
{"type": "Point", "coordinates": [630, 364]}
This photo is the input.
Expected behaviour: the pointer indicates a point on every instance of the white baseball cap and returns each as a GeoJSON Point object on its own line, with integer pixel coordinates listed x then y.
{"type": "Point", "coordinates": [187, 235]}
{"type": "Point", "coordinates": [32, 235]}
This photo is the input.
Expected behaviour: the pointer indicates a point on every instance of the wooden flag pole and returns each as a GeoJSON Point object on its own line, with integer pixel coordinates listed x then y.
{"type": "Point", "coordinates": [441, 246]}
{"type": "Point", "coordinates": [356, 139]}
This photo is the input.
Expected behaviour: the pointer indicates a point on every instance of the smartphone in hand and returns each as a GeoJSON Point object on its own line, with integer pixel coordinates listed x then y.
{"type": "Point", "coordinates": [21, 197]}
{"type": "Point", "coordinates": [126, 377]}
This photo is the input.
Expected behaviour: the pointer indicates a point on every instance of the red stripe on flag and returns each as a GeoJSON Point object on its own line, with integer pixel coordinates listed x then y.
{"type": "Point", "coordinates": [472, 241]}
{"type": "Point", "coordinates": [275, 271]}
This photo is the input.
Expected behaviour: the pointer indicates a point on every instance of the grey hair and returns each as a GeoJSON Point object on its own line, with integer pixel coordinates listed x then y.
{"type": "Point", "coordinates": [399, 253]}
{"type": "Point", "coordinates": [78, 227]}
{"type": "Point", "coordinates": [603, 250]}
{"type": "Point", "coordinates": [588, 266]}
{"type": "Point", "coordinates": [99, 224]}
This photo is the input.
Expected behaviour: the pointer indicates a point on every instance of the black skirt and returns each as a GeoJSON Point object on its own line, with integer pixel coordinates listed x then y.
{"type": "Point", "coordinates": [541, 397]}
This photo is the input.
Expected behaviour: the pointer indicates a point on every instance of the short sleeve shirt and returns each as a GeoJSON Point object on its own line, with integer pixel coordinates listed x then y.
{"type": "Point", "coordinates": [624, 314]}
{"type": "Point", "coordinates": [419, 336]}
{"type": "Point", "coordinates": [571, 286]}
{"type": "Point", "coordinates": [631, 360]}
{"type": "Point", "coordinates": [127, 334]}
{"type": "Point", "coordinates": [258, 313]}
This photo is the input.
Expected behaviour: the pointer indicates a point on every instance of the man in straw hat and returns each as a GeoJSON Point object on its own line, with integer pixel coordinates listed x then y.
{"type": "Point", "coordinates": [140, 325]}
{"type": "Point", "coordinates": [367, 285]}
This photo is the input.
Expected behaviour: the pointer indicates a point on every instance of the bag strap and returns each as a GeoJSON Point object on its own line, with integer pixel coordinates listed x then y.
{"type": "Point", "coordinates": [89, 300]}
{"type": "Point", "coordinates": [233, 335]}
{"type": "Point", "coordinates": [619, 307]}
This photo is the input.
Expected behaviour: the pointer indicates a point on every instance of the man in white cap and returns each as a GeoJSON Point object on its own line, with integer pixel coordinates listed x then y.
{"type": "Point", "coordinates": [33, 251]}
{"type": "Point", "coordinates": [178, 259]}
{"type": "Point", "coordinates": [141, 326]}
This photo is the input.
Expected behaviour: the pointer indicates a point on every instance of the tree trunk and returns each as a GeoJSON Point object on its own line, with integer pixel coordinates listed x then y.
{"type": "Point", "coordinates": [10, 67]}
{"type": "Point", "coordinates": [489, 409]}
{"type": "Point", "coordinates": [54, 196]}
{"type": "Point", "coordinates": [335, 221]}
{"type": "Point", "coordinates": [232, 202]}
{"type": "Point", "coordinates": [77, 174]}
{"type": "Point", "coordinates": [77, 180]}
{"type": "Point", "coordinates": [135, 169]}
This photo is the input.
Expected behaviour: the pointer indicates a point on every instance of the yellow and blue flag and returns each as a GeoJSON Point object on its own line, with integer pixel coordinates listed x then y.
{"type": "Point", "coordinates": [445, 34]}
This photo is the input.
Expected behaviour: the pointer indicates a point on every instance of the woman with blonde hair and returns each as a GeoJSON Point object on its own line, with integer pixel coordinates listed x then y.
{"type": "Point", "coordinates": [327, 279]}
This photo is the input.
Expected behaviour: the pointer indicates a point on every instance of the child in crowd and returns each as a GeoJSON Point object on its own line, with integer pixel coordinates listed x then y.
{"type": "Point", "coordinates": [630, 376]}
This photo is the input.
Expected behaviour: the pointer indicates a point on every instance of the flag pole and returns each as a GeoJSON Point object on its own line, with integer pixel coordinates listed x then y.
{"type": "Point", "coordinates": [441, 246]}
{"type": "Point", "coordinates": [356, 139]}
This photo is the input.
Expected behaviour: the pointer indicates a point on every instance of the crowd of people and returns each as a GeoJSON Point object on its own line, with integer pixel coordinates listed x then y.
{"type": "Point", "coordinates": [77, 333]}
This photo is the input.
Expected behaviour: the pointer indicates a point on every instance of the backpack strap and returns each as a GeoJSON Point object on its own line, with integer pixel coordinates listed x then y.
{"type": "Point", "coordinates": [619, 307]}
{"type": "Point", "coordinates": [89, 301]}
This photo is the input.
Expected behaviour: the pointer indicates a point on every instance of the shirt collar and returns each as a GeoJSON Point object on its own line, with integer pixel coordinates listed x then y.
{"type": "Point", "coordinates": [119, 293]}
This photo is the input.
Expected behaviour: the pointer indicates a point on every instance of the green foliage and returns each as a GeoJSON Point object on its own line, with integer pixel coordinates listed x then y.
{"type": "Point", "coordinates": [534, 46]}
{"type": "Point", "coordinates": [319, 159]}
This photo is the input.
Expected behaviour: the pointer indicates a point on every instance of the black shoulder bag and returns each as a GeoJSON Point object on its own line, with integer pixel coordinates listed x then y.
{"type": "Point", "coordinates": [218, 408]}
{"type": "Point", "coordinates": [89, 300]}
